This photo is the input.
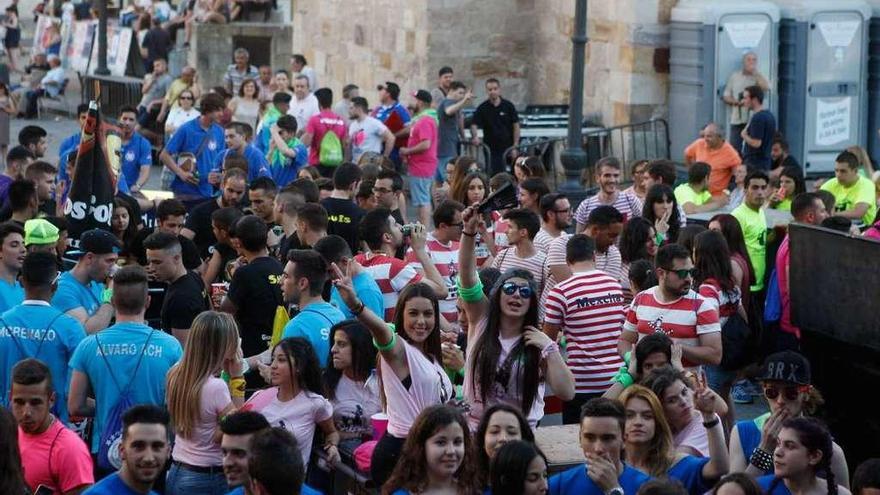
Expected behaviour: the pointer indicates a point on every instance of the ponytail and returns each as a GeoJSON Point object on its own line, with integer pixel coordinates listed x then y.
{"type": "Point", "coordinates": [829, 476]}
{"type": "Point", "coordinates": [814, 436]}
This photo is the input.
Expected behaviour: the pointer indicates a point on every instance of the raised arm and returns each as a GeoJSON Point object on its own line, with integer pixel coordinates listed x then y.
{"type": "Point", "coordinates": [475, 305]}
{"type": "Point", "coordinates": [705, 402]}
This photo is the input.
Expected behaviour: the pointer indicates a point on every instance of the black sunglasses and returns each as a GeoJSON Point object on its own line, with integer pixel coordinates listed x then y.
{"type": "Point", "coordinates": [790, 393]}
{"type": "Point", "coordinates": [510, 288]}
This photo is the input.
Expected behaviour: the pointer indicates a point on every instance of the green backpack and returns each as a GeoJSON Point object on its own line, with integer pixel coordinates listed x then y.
{"type": "Point", "coordinates": [330, 151]}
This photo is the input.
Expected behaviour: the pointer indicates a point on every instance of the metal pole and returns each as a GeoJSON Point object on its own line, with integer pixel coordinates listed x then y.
{"type": "Point", "coordinates": [101, 69]}
{"type": "Point", "coordinates": [574, 158]}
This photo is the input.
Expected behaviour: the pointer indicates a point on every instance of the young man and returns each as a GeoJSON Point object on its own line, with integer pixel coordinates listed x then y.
{"type": "Point", "coordinates": [588, 308]}
{"type": "Point", "coordinates": [287, 205]}
{"type": "Point", "coordinates": [43, 175]}
{"type": "Point", "coordinates": [316, 129]}
{"type": "Point", "coordinates": [108, 361]}
{"type": "Point", "coordinates": [287, 154]}
{"type": "Point", "coordinates": [82, 292]}
{"type": "Point", "coordinates": [198, 222]}
{"type": "Point", "coordinates": [34, 139]}
{"type": "Point", "coordinates": [608, 178]}
{"type": "Point", "coordinates": [279, 107]}
{"type": "Point", "coordinates": [276, 466]}
{"type": "Point", "coordinates": [23, 201]}
{"type": "Point", "coordinates": [555, 218]}
{"type": "Point", "coordinates": [395, 117]}
{"type": "Point", "coordinates": [343, 106]}
{"type": "Point", "coordinates": [521, 253]}
{"type": "Point", "coordinates": [500, 123]}
{"type": "Point", "coordinates": [238, 430]}
{"type": "Point", "coordinates": [261, 195]}
{"type": "Point", "coordinates": [144, 450]}
{"type": "Point", "coordinates": [366, 133]}
{"type": "Point", "coordinates": [53, 456]}
{"type": "Point", "coordinates": [153, 89]}
{"type": "Point", "coordinates": [343, 214]}
{"type": "Point", "coordinates": [303, 281]}
{"type": "Point", "coordinates": [334, 249]}
{"type": "Point", "coordinates": [238, 143]}
{"type": "Point", "coordinates": [17, 160]}
{"type": "Point", "coordinates": [185, 296]}
{"type": "Point", "coordinates": [695, 196]}
{"type": "Point", "coordinates": [311, 226]}
{"type": "Point", "coordinates": [750, 215]}
{"type": "Point", "coordinates": [40, 331]}
{"type": "Point", "coordinates": [444, 82]}
{"type": "Point", "coordinates": [711, 148]}
{"type": "Point", "coordinates": [136, 153]}
{"type": "Point", "coordinates": [855, 195]}
{"type": "Point", "coordinates": [170, 215]}
{"type": "Point", "coordinates": [758, 134]}
{"type": "Point", "coordinates": [222, 257]}
{"type": "Point", "coordinates": [450, 131]}
{"type": "Point", "coordinates": [420, 153]}
{"type": "Point", "coordinates": [672, 307]}
{"type": "Point", "coordinates": [388, 190]}
{"type": "Point", "coordinates": [12, 252]}
{"type": "Point", "coordinates": [603, 423]}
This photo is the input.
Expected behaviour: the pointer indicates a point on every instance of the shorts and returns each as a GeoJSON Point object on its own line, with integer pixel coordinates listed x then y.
{"type": "Point", "coordinates": [440, 173]}
{"type": "Point", "coordinates": [718, 377]}
{"type": "Point", "coordinates": [420, 191]}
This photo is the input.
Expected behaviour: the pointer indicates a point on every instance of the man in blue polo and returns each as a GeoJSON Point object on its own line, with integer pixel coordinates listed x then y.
{"type": "Point", "coordinates": [203, 137]}
{"type": "Point", "coordinates": [12, 251]}
{"type": "Point", "coordinates": [238, 144]}
{"type": "Point", "coordinates": [135, 154]}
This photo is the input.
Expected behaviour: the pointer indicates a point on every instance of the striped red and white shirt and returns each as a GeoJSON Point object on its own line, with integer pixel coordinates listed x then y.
{"type": "Point", "coordinates": [542, 241]}
{"type": "Point", "coordinates": [391, 274]}
{"type": "Point", "coordinates": [626, 202]}
{"type": "Point", "coordinates": [445, 259]}
{"type": "Point", "coordinates": [499, 229]}
{"type": "Point", "coordinates": [726, 302]}
{"type": "Point", "coordinates": [683, 320]}
{"type": "Point", "coordinates": [508, 258]}
{"type": "Point", "coordinates": [589, 308]}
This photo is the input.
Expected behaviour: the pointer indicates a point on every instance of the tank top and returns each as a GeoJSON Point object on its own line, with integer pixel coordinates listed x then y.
{"type": "Point", "coordinates": [429, 385]}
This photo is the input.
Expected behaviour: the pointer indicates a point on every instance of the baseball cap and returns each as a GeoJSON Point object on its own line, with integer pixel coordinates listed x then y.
{"type": "Point", "coordinates": [786, 366]}
{"type": "Point", "coordinates": [39, 231]}
{"type": "Point", "coordinates": [422, 95]}
{"type": "Point", "coordinates": [392, 88]}
{"type": "Point", "coordinates": [99, 241]}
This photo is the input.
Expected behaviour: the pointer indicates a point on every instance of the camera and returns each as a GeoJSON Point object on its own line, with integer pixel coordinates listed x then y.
{"type": "Point", "coordinates": [504, 197]}
{"type": "Point", "coordinates": [406, 230]}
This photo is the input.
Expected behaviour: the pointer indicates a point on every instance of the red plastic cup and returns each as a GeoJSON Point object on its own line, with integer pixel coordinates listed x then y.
{"type": "Point", "coordinates": [380, 424]}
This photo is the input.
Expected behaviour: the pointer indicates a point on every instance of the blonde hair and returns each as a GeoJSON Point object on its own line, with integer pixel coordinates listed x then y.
{"type": "Point", "coordinates": [212, 337]}
{"type": "Point", "coordinates": [660, 450]}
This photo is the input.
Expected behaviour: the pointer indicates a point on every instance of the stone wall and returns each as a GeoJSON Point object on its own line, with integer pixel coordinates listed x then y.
{"type": "Point", "coordinates": [212, 47]}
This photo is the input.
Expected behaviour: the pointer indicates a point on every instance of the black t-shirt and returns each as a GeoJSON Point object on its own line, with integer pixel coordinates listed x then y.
{"type": "Point", "coordinates": [256, 292]}
{"type": "Point", "coordinates": [497, 123]}
{"type": "Point", "coordinates": [157, 42]}
{"type": "Point", "coordinates": [227, 261]}
{"type": "Point", "coordinates": [398, 217]}
{"type": "Point", "coordinates": [188, 250]}
{"type": "Point", "coordinates": [761, 126]}
{"type": "Point", "coordinates": [199, 221]}
{"type": "Point", "coordinates": [185, 298]}
{"type": "Point", "coordinates": [344, 217]}
{"type": "Point", "coordinates": [287, 243]}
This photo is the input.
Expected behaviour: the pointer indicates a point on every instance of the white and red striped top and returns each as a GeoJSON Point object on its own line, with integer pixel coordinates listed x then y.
{"type": "Point", "coordinates": [626, 202]}
{"type": "Point", "coordinates": [589, 308]}
{"type": "Point", "coordinates": [683, 320]}
{"type": "Point", "coordinates": [542, 241]}
{"type": "Point", "coordinates": [445, 259]}
{"type": "Point", "coordinates": [509, 258]}
{"type": "Point", "coordinates": [555, 256]}
{"type": "Point", "coordinates": [391, 274]}
{"type": "Point", "coordinates": [726, 302]}
{"type": "Point", "coordinates": [499, 229]}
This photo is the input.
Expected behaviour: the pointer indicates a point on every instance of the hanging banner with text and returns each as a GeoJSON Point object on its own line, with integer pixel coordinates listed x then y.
{"type": "Point", "coordinates": [833, 121]}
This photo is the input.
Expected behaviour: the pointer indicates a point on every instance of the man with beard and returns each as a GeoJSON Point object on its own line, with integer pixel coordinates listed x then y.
{"type": "Point", "coordinates": [198, 223]}
{"type": "Point", "coordinates": [751, 218]}
{"type": "Point", "coordinates": [608, 178]}
{"type": "Point", "coordinates": [555, 218]}
{"type": "Point", "coordinates": [12, 252]}
{"type": "Point", "coordinates": [673, 308]}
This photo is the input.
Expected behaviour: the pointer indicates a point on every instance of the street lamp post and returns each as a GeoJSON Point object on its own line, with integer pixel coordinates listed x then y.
{"type": "Point", "coordinates": [574, 158]}
{"type": "Point", "coordinates": [101, 69]}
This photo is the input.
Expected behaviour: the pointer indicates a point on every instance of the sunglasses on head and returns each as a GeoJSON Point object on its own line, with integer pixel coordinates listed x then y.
{"type": "Point", "coordinates": [510, 288]}
{"type": "Point", "coordinates": [789, 393]}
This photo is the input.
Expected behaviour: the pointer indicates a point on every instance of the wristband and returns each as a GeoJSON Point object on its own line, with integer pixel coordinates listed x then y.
{"type": "Point", "coordinates": [623, 377]}
{"type": "Point", "coordinates": [236, 387]}
{"type": "Point", "coordinates": [761, 459]}
{"type": "Point", "coordinates": [360, 309]}
{"type": "Point", "coordinates": [549, 349]}
{"type": "Point", "coordinates": [469, 234]}
{"type": "Point", "coordinates": [470, 294]}
{"type": "Point", "coordinates": [387, 347]}
{"type": "Point", "coordinates": [711, 424]}
{"type": "Point", "coordinates": [106, 295]}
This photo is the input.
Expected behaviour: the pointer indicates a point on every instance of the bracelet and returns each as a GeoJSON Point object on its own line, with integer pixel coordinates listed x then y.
{"type": "Point", "coordinates": [712, 424]}
{"type": "Point", "coordinates": [549, 349]}
{"type": "Point", "coordinates": [469, 234]}
{"type": "Point", "coordinates": [360, 309]}
{"type": "Point", "coordinates": [470, 294]}
{"type": "Point", "coordinates": [623, 377]}
{"type": "Point", "coordinates": [387, 347]}
{"type": "Point", "coordinates": [106, 295]}
{"type": "Point", "coordinates": [761, 459]}
{"type": "Point", "coordinates": [236, 386]}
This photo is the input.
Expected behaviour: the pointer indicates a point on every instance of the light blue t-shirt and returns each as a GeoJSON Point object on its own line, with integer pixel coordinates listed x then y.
{"type": "Point", "coordinates": [10, 294]}
{"type": "Point", "coordinates": [112, 485]}
{"type": "Point", "coordinates": [207, 145]}
{"type": "Point", "coordinates": [36, 330]}
{"type": "Point", "coordinates": [71, 294]}
{"type": "Point", "coordinates": [313, 324]}
{"type": "Point", "coordinates": [368, 292]}
{"type": "Point", "coordinates": [123, 344]}
{"type": "Point", "coordinates": [257, 164]}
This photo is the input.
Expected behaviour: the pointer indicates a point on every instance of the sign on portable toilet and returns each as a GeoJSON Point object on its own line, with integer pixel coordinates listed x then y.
{"type": "Point", "coordinates": [823, 79]}
{"type": "Point", "coordinates": [873, 131]}
{"type": "Point", "coordinates": [709, 41]}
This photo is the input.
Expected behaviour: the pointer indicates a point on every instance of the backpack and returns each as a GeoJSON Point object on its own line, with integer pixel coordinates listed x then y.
{"type": "Point", "coordinates": [108, 448]}
{"type": "Point", "coordinates": [330, 151]}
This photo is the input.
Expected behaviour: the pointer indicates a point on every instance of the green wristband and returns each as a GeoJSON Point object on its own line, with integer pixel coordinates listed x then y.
{"type": "Point", "coordinates": [470, 294]}
{"type": "Point", "coordinates": [623, 377]}
{"type": "Point", "coordinates": [106, 296]}
{"type": "Point", "coordinates": [388, 346]}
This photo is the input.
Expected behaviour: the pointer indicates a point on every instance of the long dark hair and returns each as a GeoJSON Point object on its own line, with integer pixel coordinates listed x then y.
{"type": "Point", "coordinates": [814, 436]}
{"type": "Point", "coordinates": [656, 194]}
{"type": "Point", "coordinates": [305, 361]}
{"type": "Point", "coordinates": [510, 467]}
{"type": "Point", "coordinates": [483, 460]}
{"type": "Point", "coordinates": [712, 260]}
{"type": "Point", "coordinates": [797, 175]}
{"type": "Point", "coordinates": [460, 192]}
{"type": "Point", "coordinates": [745, 483]}
{"type": "Point", "coordinates": [431, 347]}
{"type": "Point", "coordinates": [363, 355]}
{"type": "Point", "coordinates": [11, 478]}
{"type": "Point", "coordinates": [488, 348]}
{"type": "Point", "coordinates": [634, 239]}
{"type": "Point", "coordinates": [736, 241]}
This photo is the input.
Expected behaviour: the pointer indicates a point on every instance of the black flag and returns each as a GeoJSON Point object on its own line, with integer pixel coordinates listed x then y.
{"type": "Point", "coordinates": [89, 204]}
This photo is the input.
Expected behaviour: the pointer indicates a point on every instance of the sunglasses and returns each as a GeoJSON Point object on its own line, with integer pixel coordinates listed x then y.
{"type": "Point", "coordinates": [789, 393]}
{"type": "Point", "coordinates": [185, 98]}
{"type": "Point", "coordinates": [510, 288]}
{"type": "Point", "coordinates": [683, 273]}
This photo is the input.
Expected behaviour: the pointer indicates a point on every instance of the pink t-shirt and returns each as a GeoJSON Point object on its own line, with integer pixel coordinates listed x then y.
{"type": "Point", "coordinates": [693, 435]}
{"type": "Point", "coordinates": [57, 458]}
{"type": "Point", "coordinates": [319, 125]}
{"type": "Point", "coordinates": [299, 415]}
{"type": "Point", "coordinates": [782, 261]}
{"type": "Point", "coordinates": [429, 386]}
{"type": "Point", "coordinates": [423, 164]}
{"type": "Point", "coordinates": [200, 449]}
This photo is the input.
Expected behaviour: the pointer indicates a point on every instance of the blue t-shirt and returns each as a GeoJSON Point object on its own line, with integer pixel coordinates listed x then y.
{"type": "Point", "coordinates": [71, 294]}
{"type": "Point", "coordinates": [236, 491]}
{"type": "Point", "coordinates": [10, 295]}
{"type": "Point", "coordinates": [70, 144]}
{"type": "Point", "coordinates": [313, 323]}
{"type": "Point", "coordinates": [189, 138]}
{"type": "Point", "coordinates": [368, 292]}
{"type": "Point", "coordinates": [122, 345]}
{"type": "Point", "coordinates": [780, 489]}
{"type": "Point", "coordinates": [750, 435]}
{"type": "Point", "coordinates": [136, 153]}
{"type": "Point", "coordinates": [284, 172]}
{"type": "Point", "coordinates": [37, 330]}
{"type": "Point", "coordinates": [576, 482]}
{"type": "Point", "coordinates": [689, 470]}
{"type": "Point", "coordinates": [256, 162]}
{"type": "Point", "coordinates": [112, 485]}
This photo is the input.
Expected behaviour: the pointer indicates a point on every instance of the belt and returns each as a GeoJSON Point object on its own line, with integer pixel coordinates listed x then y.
{"type": "Point", "coordinates": [199, 469]}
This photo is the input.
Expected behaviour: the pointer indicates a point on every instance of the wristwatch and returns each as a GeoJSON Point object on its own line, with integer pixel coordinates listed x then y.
{"type": "Point", "coordinates": [615, 491]}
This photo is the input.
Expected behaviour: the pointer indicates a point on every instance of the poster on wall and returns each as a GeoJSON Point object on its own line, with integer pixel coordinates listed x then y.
{"type": "Point", "coordinates": [118, 46]}
{"type": "Point", "coordinates": [79, 45]}
{"type": "Point", "coordinates": [44, 31]}
{"type": "Point", "coordinates": [833, 121]}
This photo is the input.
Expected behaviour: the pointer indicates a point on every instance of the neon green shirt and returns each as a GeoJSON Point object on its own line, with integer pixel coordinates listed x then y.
{"type": "Point", "coordinates": [863, 191]}
{"type": "Point", "coordinates": [686, 194]}
{"type": "Point", "coordinates": [784, 205]}
{"type": "Point", "coordinates": [754, 227]}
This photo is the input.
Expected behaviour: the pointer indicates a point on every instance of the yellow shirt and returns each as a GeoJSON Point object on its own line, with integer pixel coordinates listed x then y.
{"type": "Point", "coordinates": [846, 198]}
{"type": "Point", "coordinates": [754, 227]}
{"type": "Point", "coordinates": [686, 194]}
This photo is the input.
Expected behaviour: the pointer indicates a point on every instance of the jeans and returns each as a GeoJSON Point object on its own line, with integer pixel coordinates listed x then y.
{"type": "Point", "coordinates": [182, 481]}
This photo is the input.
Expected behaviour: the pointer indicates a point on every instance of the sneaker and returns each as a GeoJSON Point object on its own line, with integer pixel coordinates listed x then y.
{"type": "Point", "coordinates": [739, 394]}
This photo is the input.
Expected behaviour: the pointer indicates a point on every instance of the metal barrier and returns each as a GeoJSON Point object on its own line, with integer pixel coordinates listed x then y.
{"type": "Point", "coordinates": [481, 153]}
{"type": "Point", "coordinates": [116, 92]}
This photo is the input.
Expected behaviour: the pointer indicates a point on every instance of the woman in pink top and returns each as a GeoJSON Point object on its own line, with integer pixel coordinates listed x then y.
{"type": "Point", "coordinates": [410, 367]}
{"type": "Point", "coordinates": [197, 400]}
{"type": "Point", "coordinates": [508, 358]}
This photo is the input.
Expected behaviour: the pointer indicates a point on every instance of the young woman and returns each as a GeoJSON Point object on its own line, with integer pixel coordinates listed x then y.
{"type": "Point", "coordinates": [791, 183]}
{"type": "Point", "coordinates": [12, 40]}
{"type": "Point", "coordinates": [739, 191]}
{"type": "Point", "coordinates": [295, 402]}
{"type": "Point", "coordinates": [350, 383]}
{"type": "Point", "coordinates": [11, 474]}
{"type": "Point", "coordinates": [245, 107]}
{"type": "Point", "coordinates": [501, 423]}
{"type": "Point", "coordinates": [182, 113]}
{"type": "Point", "coordinates": [7, 111]}
{"type": "Point", "coordinates": [519, 468]}
{"type": "Point", "coordinates": [740, 266]}
{"type": "Point", "coordinates": [641, 276]}
{"type": "Point", "coordinates": [410, 367]}
{"type": "Point", "coordinates": [197, 400]}
{"type": "Point", "coordinates": [805, 449]}
{"type": "Point", "coordinates": [737, 484]}
{"type": "Point", "coordinates": [638, 171]}
{"type": "Point", "coordinates": [437, 457]}
{"type": "Point", "coordinates": [638, 241]}
{"type": "Point", "coordinates": [661, 209]}
{"type": "Point", "coordinates": [281, 83]}
{"type": "Point", "coordinates": [528, 166]}
{"type": "Point", "coordinates": [310, 173]}
{"type": "Point", "coordinates": [652, 352]}
{"type": "Point", "coordinates": [508, 358]}
{"type": "Point", "coordinates": [124, 224]}
{"type": "Point", "coordinates": [456, 172]}
{"type": "Point", "coordinates": [687, 234]}
{"type": "Point", "coordinates": [472, 190]}
{"type": "Point", "coordinates": [531, 190]}
{"type": "Point", "coordinates": [648, 441]}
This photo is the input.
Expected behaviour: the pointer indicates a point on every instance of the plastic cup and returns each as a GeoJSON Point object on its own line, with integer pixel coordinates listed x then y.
{"type": "Point", "coordinates": [380, 424]}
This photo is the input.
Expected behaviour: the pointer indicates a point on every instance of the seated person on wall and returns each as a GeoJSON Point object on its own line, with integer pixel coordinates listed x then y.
{"type": "Point", "coordinates": [694, 196]}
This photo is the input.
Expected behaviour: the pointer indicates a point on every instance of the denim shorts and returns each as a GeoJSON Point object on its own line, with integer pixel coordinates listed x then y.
{"type": "Point", "coordinates": [420, 190]}
{"type": "Point", "coordinates": [717, 377]}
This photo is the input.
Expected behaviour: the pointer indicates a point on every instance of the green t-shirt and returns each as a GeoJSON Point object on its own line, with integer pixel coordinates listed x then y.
{"type": "Point", "coordinates": [784, 205]}
{"type": "Point", "coordinates": [686, 194]}
{"type": "Point", "coordinates": [863, 191]}
{"type": "Point", "coordinates": [754, 227]}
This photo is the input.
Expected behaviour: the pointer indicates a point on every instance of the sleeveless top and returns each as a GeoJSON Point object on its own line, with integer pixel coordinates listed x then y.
{"type": "Point", "coordinates": [429, 385]}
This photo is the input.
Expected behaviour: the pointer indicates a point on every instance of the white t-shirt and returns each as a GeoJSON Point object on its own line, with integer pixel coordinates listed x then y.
{"type": "Point", "coordinates": [366, 136]}
{"type": "Point", "coordinates": [354, 404]}
{"type": "Point", "coordinates": [302, 110]}
{"type": "Point", "coordinates": [178, 116]}
{"type": "Point", "coordinates": [299, 415]}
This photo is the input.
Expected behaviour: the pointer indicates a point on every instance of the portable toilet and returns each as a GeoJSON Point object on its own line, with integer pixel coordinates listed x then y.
{"type": "Point", "coordinates": [874, 82]}
{"type": "Point", "coordinates": [707, 42]}
{"type": "Point", "coordinates": [823, 79]}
